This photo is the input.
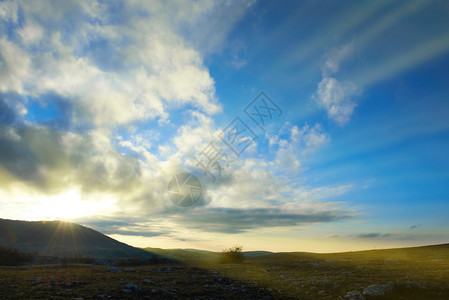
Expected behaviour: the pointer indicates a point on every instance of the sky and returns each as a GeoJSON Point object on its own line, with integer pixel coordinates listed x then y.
{"type": "Point", "coordinates": [310, 125]}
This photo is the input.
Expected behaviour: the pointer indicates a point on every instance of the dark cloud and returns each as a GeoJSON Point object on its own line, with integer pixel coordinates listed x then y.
{"type": "Point", "coordinates": [373, 235]}
{"type": "Point", "coordinates": [121, 226]}
{"type": "Point", "coordinates": [7, 115]}
{"type": "Point", "coordinates": [229, 220]}
{"type": "Point", "coordinates": [17, 157]}
{"type": "Point", "coordinates": [50, 160]}
{"type": "Point", "coordinates": [134, 233]}
{"type": "Point", "coordinates": [415, 226]}
{"type": "Point", "coordinates": [392, 236]}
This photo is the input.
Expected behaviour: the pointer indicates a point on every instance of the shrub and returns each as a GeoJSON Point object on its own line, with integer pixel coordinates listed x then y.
{"type": "Point", "coordinates": [232, 255]}
{"type": "Point", "coordinates": [12, 257]}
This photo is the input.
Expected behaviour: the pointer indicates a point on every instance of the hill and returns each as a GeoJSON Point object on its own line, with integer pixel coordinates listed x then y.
{"type": "Point", "coordinates": [200, 255]}
{"type": "Point", "coordinates": [62, 239]}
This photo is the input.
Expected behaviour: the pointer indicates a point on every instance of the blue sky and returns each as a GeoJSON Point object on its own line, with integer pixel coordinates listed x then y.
{"type": "Point", "coordinates": [102, 103]}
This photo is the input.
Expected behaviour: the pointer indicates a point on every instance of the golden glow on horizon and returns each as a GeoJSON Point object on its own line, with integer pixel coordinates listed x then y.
{"type": "Point", "coordinates": [273, 244]}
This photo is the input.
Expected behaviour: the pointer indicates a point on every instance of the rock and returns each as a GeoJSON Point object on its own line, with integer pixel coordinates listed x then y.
{"type": "Point", "coordinates": [161, 270]}
{"type": "Point", "coordinates": [354, 295]}
{"type": "Point", "coordinates": [129, 288]}
{"type": "Point", "coordinates": [71, 284]}
{"type": "Point", "coordinates": [114, 270]}
{"type": "Point", "coordinates": [129, 270]}
{"type": "Point", "coordinates": [168, 292]}
{"type": "Point", "coordinates": [103, 296]}
{"type": "Point", "coordinates": [154, 290]}
{"type": "Point", "coordinates": [410, 285]}
{"type": "Point", "coordinates": [319, 281]}
{"type": "Point", "coordinates": [377, 289]}
{"type": "Point", "coordinates": [147, 281]}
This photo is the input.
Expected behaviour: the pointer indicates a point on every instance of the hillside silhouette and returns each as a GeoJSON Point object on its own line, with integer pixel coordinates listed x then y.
{"type": "Point", "coordinates": [62, 239]}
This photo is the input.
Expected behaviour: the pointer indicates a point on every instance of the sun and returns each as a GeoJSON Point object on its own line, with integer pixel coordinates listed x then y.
{"type": "Point", "coordinates": [65, 206]}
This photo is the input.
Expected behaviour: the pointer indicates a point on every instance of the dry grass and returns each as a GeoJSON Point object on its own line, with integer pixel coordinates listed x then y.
{"type": "Point", "coordinates": [419, 273]}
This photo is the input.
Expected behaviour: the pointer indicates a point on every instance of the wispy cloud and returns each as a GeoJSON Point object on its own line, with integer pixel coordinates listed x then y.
{"type": "Point", "coordinates": [415, 226]}
{"type": "Point", "coordinates": [335, 97]}
{"type": "Point", "coordinates": [373, 235]}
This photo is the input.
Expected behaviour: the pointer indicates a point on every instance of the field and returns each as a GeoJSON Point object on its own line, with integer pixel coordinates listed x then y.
{"type": "Point", "coordinates": [411, 273]}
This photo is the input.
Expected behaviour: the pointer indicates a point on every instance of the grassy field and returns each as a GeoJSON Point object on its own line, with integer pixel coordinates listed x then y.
{"type": "Point", "coordinates": [413, 273]}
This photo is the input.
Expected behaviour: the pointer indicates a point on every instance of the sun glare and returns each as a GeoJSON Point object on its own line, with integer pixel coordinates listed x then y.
{"type": "Point", "coordinates": [65, 206]}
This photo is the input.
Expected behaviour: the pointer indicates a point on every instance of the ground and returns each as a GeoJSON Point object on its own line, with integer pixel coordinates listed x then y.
{"type": "Point", "coordinates": [419, 273]}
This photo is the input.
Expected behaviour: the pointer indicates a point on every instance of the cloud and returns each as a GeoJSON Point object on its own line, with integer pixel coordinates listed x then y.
{"type": "Point", "coordinates": [373, 235]}
{"type": "Point", "coordinates": [207, 32]}
{"type": "Point", "coordinates": [335, 97]}
{"type": "Point", "coordinates": [14, 66]}
{"type": "Point", "coordinates": [98, 86]}
{"type": "Point", "coordinates": [334, 59]}
{"type": "Point", "coordinates": [415, 226]}
{"type": "Point", "coordinates": [31, 34]}
{"type": "Point", "coordinates": [332, 236]}
{"type": "Point", "coordinates": [394, 236]}
{"type": "Point", "coordinates": [8, 11]}
{"type": "Point", "coordinates": [229, 220]}
{"type": "Point", "coordinates": [121, 226]}
{"type": "Point", "coordinates": [49, 160]}
{"type": "Point", "coordinates": [154, 69]}
{"type": "Point", "coordinates": [120, 65]}
{"type": "Point", "coordinates": [292, 142]}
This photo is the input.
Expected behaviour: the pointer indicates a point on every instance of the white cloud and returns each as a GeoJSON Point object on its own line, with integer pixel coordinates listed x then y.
{"type": "Point", "coordinates": [8, 11]}
{"type": "Point", "coordinates": [335, 97]}
{"type": "Point", "coordinates": [14, 66]}
{"type": "Point", "coordinates": [293, 142]}
{"type": "Point", "coordinates": [334, 59]}
{"type": "Point", "coordinates": [154, 71]}
{"type": "Point", "coordinates": [146, 68]}
{"type": "Point", "coordinates": [31, 34]}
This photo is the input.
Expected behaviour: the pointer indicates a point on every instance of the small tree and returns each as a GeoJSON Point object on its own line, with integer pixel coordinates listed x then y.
{"type": "Point", "coordinates": [232, 255]}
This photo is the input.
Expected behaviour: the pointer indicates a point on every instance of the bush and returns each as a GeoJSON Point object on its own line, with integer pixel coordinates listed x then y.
{"type": "Point", "coordinates": [77, 259]}
{"type": "Point", "coordinates": [12, 257]}
{"type": "Point", "coordinates": [142, 261]}
{"type": "Point", "coordinates": [232, 255]}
